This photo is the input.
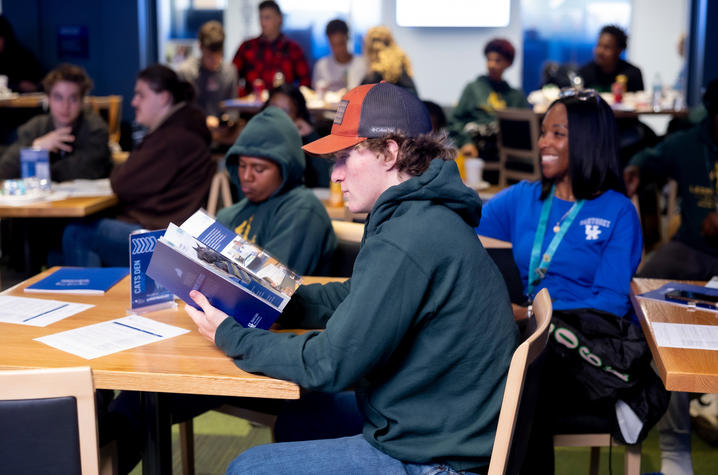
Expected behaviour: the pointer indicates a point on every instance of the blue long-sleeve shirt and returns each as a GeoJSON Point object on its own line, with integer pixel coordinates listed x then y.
{"type": "Point", "coordinates": [593, 265]}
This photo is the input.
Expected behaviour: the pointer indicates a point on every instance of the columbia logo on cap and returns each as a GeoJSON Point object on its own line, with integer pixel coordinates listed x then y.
{"type": "Point", "coordinates": [382, 130]}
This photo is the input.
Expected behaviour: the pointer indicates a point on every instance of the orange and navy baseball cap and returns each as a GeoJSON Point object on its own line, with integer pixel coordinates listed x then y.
{"type": "Point", "coordinates": [372, 111]}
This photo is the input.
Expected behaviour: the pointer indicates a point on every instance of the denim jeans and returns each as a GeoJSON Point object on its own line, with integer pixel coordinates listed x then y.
{"type": "Point", "coordinates": [674, 436]}
{"type": "Point", "coordinates": [348, 455]}
{"type": "Point", "coordinates": [97, 243]}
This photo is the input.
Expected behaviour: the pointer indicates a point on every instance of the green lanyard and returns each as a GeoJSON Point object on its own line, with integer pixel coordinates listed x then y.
{"type": "Point", "coordinates": [538, 272]}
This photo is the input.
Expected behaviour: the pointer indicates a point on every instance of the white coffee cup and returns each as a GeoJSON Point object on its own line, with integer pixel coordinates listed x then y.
{"type": "Point", "coordinates": [473, 170]}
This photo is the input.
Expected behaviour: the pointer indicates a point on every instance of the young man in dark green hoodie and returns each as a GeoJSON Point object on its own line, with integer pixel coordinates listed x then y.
{"type": "Point", "coordinates": [278, 212]}
{"type": "Point", "coordinates": [423, 330]}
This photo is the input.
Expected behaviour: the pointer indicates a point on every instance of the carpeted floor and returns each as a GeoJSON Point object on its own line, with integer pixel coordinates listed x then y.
{"type": "Point", "coordinates": [219, 438]}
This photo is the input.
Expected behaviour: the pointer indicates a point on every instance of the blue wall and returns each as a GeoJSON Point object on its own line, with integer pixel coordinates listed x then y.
{"type": "Point", "coordinates": [113, 28]}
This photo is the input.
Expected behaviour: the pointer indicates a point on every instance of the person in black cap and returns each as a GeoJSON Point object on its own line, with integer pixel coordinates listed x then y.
{"type": "Point", "coordinates": [424, 325]}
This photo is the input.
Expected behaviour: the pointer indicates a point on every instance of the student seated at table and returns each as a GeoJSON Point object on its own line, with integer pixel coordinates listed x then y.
{"type": "Point", "coordinates": [601, 72]}
{"type": "Point", "coordinates": [424, 325]}
{"type": "Point", "coordinates": [213, 79]}
{"type": "Point", "coordinates": [576, 234]}
{"type": "Point", "coordinates": [165, 179]}
{"type": "Point", "coordinates": [76, 138]}
{"type": "Point", "coordinates": [278, 212]}
{"type": "Point", "coordinates": [473, 120]}
{"type": "Point", "coordinates": [291, 100]}
{"type": "Point", "coordinates": [270, 55]}
{"type": "Point", "coordinates": [341, 69]}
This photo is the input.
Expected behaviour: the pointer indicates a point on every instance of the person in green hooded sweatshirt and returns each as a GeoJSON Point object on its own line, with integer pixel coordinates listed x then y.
{"type": "Point", "coordinates": [278, 213]}
{"type": "Point", "coordinates": [473, 120]}
{"type": "Point", "coordinates": [423, 331]}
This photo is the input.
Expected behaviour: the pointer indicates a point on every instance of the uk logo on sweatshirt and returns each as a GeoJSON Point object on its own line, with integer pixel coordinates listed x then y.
{"type": "Point", "coordinates": [594, 227]}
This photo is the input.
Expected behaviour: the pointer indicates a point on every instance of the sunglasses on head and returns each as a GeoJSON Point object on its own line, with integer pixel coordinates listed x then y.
{"type": "Point", "coordinates": [580, 94]}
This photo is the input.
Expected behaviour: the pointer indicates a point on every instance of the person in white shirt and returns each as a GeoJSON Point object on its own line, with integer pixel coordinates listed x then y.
{"type": "Point", "coordinates": [341, 69]}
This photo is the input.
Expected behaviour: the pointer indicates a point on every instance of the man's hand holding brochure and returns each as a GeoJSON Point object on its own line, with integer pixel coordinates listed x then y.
{"type": "Point", "coordinates": [237, 277]}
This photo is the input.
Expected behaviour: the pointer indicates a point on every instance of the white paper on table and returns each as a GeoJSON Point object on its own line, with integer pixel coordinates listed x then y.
{"type": "Point", "coordinates": [683, 335]}
{"type": "Point", "coordinates": [37, 312]}
{"type": "Point", "coordinates": [113, 336]}
{"type": "Point", "coordinates": [83, 188]}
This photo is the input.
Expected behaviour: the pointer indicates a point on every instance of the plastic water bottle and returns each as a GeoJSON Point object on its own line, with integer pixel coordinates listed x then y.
{"type": "Point", "coordinates": [657, 92]}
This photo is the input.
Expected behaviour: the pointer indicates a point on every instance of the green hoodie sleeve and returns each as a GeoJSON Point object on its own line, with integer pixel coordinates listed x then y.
{"type": "Point", "coordinates": [659, 162]}
{"type": "Point", "coordinates": [312, 305]}
{"type": "Point", "coordinates": [462, 114]}
{"type": "Point", "coordinates": [387, 290]}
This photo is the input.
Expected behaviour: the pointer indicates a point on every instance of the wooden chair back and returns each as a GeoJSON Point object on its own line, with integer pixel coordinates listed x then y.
{"type": "Point", "coordinates": [219, 189]}
{"type": "Point", "coordinates": [55, 408]}
{"type": "Point", "coordinates": [110, 109]}
{"type": "Point", "coordinates": [521, 392]}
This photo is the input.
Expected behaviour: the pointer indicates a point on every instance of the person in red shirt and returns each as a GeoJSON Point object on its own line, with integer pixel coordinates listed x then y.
{"type": "Point", "coordinates": [270, 53]}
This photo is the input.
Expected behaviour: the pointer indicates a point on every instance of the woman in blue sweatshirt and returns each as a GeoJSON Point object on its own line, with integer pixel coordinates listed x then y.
{"type": "Point", "coordinates": [576, 234]}
{"type": "Point", "coordinates": [583, 193]}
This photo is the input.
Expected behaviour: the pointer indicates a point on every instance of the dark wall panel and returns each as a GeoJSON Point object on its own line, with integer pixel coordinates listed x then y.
{"type": "Point", "coordinates": [113, 46]}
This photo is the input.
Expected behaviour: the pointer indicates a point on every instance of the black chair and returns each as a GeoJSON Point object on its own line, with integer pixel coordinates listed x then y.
{"type": "Point", "coordinates": [47, 420]}
{"type": "Point", "coordinates": [519, 156]}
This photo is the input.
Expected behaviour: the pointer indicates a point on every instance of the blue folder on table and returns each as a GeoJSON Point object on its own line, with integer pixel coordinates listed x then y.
{"type": "Point", "coordinates": [80, 280]}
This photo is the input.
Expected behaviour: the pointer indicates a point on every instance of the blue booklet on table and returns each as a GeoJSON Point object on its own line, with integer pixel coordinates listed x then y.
{"type": "Point", "coordinates": [80, 280]}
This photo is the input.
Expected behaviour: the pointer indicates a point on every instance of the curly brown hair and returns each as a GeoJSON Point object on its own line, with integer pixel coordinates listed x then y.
{"type": "Point", "coordinates": [415, 153]}
{"type": "Point", "coordinates": [70, 73]}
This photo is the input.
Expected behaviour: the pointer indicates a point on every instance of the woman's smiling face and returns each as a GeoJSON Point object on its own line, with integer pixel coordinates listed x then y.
{"type": "Point", "coordinates": [553, 142]}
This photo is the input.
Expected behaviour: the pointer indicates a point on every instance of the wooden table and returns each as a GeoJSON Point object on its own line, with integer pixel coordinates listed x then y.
{"type": "Point", "coordinates": [680, 369]}
{"type": "Point", "coordinates": [25, 101]}
{"type": "Point", "coordinates": [67, 208]}
{"type": "Point", "coordinates": [188, 363]}
{"type": "Point", "coordinates": [249, 105]}
{"type": "Point", "coordinates": [642, 112]}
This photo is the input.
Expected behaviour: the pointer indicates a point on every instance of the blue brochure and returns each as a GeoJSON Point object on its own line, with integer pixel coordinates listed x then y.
{"type": "Point", "coordinates": [146, 295]}
{"type": "Point", "coordinates": [79, 280]}
{"type": "Point", "coordinates": [182, 274]}
{"type": "Point", "coordinates": [235, 275]}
